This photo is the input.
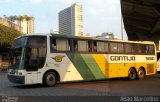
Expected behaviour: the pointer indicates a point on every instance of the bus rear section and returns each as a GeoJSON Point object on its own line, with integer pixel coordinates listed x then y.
{"type": "Point", "coordinates": [93, 59]}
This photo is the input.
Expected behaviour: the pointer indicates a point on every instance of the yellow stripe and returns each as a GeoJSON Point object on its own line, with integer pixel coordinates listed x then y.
{"type": "Point", "coordinates": [111, 70]}
{"type": "Point", "coordinates": [102, 62]}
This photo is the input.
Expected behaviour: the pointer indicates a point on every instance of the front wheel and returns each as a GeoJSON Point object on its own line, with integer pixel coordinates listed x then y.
{"type": "Point", "coordinates": [132, 74]}
{"type": "Point", "coordinates": [50, 79]}
{"type": "Point", "coordinates": [141, 74]}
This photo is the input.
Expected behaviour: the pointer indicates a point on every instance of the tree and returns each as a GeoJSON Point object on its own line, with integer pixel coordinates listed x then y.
{"type": "Point", "coordinates": [7, 35]}
{"type": "Point", "coordinates": [11, 18]}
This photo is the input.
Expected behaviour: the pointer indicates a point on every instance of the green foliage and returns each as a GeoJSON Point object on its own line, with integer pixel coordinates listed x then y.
{"type": "Point", "coordinates": [11, 18]}
{"type": "Point", "coordinates": [7, 35]}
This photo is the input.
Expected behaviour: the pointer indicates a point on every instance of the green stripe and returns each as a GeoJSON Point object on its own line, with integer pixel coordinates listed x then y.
{"type": "Point", "coordinates": [81, 66]}
{"type": "Point", "coordinates": [93, 66]}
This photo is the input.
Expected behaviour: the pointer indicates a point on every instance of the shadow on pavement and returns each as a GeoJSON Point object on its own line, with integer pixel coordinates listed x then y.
{"type": "Point", "coordinates": [29, 86]}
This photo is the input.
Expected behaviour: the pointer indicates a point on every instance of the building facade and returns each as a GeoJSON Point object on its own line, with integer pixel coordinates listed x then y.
{"type": "Point", "coordinates": [71, 20]}
{"type": "Point", "coordinates": [27, 23]}
{"type": "Point", "coordinates": [10, 24]}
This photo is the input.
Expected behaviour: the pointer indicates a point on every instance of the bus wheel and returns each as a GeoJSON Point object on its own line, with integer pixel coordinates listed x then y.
{"type": "Point", "coordinates": [141, 74]}
{"type": "Point", "coordinates": [132, 74]}
{"type": "Point", "coordinates": [50, 79]}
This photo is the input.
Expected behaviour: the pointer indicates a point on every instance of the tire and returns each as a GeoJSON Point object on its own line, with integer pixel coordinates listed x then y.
{"type": "Point", "coordinates": [50, 79]}
{"type": "Point", "coordinates": [141, 74]}
{"type": "Point", "coordinates": [132, 74]}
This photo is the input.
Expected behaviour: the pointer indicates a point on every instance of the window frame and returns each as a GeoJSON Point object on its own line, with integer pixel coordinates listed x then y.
{"type": "Point", "coordinates": [92, 44]}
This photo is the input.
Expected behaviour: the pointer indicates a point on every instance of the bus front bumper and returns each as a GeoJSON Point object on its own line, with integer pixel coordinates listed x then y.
{"type": "Point", "coordinates": [16, 79]}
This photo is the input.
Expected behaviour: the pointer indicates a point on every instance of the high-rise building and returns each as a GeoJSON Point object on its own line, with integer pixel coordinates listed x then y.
{"type": "Point", "coordinates": [71, 20]}
{"type": "Point", "coordinates": [27, 24]}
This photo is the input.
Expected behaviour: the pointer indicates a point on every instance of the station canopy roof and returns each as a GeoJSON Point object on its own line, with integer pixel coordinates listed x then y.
{"type": "Point", "coordinates": [141, 19]}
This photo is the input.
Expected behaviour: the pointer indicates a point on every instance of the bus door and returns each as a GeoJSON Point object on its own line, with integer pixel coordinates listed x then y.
{"type": "Point", "coordinates": [35, 59]}
{"type": "Point", "coordinates": [31, 66]}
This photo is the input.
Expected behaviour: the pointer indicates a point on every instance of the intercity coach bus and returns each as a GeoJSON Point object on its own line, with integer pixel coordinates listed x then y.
{"type": "Point", "coordinates": [51, 58]}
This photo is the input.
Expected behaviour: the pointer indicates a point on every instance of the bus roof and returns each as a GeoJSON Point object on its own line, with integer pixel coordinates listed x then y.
{"type": "Point", "coordinates": [98, 39]}
{"type": "Point", "coordinates": [83, 38]}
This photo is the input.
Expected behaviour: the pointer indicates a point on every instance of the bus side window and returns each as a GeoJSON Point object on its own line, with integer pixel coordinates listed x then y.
{"type": "Point", "coordinates": [134, 48]}
{"type": "Point", "coordinates": [144, 49]}
{"type": "Point", "coordinates": [82, 46]}
{"type": "Point", "coordinates": [128, 48]}
{"type": "Point", "coordinates": [151, 49]}
{"type": "Point", "coordinates": [114, 47]}
{"type": "Point", "coordinates": [95, 46]}
{"type": "Point", "coordinates": [120, 48]}
{"type": "Point", "coordinates": [90, 46]}
{"type": "Point", "coordinates": [70, 48]}
{"type": "Point", "coordinates": [53, 45]}
{"type": "Point", "coordinates": [75, 46]}
{"type": "Point", "coordinates": [100, 47]}
{"type": "Point", "coordinates": [106, 46]}
{"type": "Point", "coordinates": [140, 49]}
{"type": "Point", "coordinates": [62, 44]}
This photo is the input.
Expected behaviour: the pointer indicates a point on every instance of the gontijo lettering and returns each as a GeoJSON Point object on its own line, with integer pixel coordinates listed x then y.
{"type": "Point", "coordinates": [122, 58]}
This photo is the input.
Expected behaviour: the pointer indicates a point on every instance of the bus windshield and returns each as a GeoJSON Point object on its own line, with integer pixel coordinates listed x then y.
{"type": "Point", "coordinates": [28, 53]}
{"type": "Point", "coordinates": [15, 58]}
{"type": "Point", "coordinates": [17, 53]}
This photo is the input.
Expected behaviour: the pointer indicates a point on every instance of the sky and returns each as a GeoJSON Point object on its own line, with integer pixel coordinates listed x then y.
{"type": "Point", "coordinates": [99, 15]}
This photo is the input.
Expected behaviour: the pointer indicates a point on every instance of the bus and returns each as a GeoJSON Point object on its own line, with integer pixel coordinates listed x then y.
{"type": "Point", "coordinates": [52, 58]}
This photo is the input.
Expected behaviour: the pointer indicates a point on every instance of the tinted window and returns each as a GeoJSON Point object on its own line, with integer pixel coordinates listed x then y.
{"type": "Point", "coordinates": [62, 44]}
{"type": "Point", "coordinates": [75, 45]}
{"type": "Point", "coordinates": [36, 53]}
{"type": "Point", "coordinates": [128, 48]}
{"type": "Point", "coordinates": [151, 49]}
{"type": "Point", "coordinates": [95, 46]}
{"type": "Point", "coordinates": [53, 45]}
{"type": "Point", "coordinates": [142, 49]}
{"type": "Point", "coordinates": [100, 47]}
{"type": "Point", "coordinates": [106, 47]}
{"type": "Point", "coordinates": [90, 46]}
{"type": "Point", "coordinates": [113, 47]}
{"type": "Point", "coordinates": [120, 48]}
{"type": "Point", "coordinates": [37, 42]}
{"type": "Point", "coordinates": [20, 42]}
{"type": "Point", "coordinates": [83, 46]}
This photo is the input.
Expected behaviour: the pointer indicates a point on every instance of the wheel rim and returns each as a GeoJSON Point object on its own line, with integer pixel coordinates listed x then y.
{"type": "Point", "coordinates": [50, 79]}
{"type": "Point", "coordinates": [141, 73]}
{"type": "Point", "coordinates": [132, 74]}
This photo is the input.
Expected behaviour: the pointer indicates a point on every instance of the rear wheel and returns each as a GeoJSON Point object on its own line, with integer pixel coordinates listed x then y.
{"type": "Point", "coordinates": [50, 79]}
{"type": "Point", "coordinates": [141, 74]}
{"type": "Point", "coordinates": [132, 74]}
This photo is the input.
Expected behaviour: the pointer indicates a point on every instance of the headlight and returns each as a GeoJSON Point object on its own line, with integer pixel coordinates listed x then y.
{"type": "Point", "coordinates": [11, 71]}
{"type": "Point", "coordinates": [20, 73]}
{"type": "Point", "coordinates": [16, 72]}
